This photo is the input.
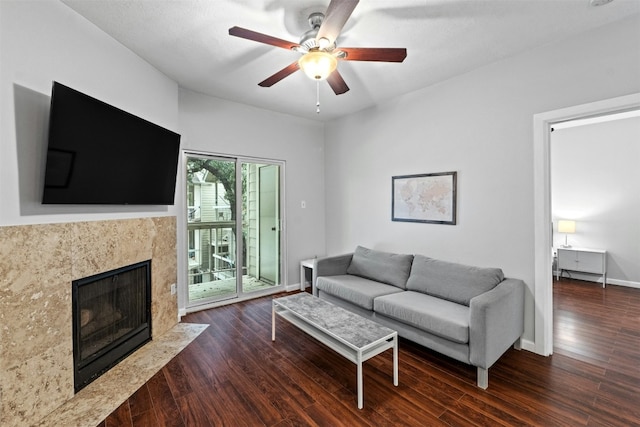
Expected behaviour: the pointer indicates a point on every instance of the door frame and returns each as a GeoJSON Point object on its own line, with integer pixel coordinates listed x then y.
{"type": "Point", "coordinates": [543, 279]}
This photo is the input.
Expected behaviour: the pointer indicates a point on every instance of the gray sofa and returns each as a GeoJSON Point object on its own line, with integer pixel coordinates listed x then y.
{"type": "Point", "coordinates": [468, 313]}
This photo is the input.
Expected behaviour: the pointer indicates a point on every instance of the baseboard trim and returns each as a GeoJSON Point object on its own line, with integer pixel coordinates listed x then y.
{"type": "Point", "coordinates": [627, 283]}
{"type": "Point", "coordinates": [528, 345]}
{"type": "Point", "coordinates": [598, 279]}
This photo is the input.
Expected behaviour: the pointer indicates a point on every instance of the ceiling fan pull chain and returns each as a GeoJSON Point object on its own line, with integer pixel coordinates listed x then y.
{"type": "Point", "coordinates": [318, 97]}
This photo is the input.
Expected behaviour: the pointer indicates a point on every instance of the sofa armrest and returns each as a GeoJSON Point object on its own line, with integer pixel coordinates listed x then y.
{"type": "Point", "coordinates": [496, 321]}
{"type": "Point", "coordinates": [329, 266]}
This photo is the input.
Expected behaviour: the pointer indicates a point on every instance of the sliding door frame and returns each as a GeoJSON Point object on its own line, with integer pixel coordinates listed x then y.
{"type": "Point", "coordinates": [184, 304]}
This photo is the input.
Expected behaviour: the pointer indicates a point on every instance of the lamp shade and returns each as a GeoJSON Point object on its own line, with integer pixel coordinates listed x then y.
{"type": "Point", "coordinates": [566, 226]}
{"type": "Point", "coordinates": [318, 64]}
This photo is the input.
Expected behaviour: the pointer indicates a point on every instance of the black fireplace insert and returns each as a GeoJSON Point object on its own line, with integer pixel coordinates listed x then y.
{"type": "Point", "coordinates": [111, 319]}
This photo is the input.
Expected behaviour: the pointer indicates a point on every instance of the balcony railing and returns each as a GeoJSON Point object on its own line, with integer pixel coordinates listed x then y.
{"type": "Point", "coordinates": [212, 251]}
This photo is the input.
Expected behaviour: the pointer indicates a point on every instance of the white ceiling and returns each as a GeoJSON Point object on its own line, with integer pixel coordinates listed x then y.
{"type": "Point", "coordinates": [188, 41]}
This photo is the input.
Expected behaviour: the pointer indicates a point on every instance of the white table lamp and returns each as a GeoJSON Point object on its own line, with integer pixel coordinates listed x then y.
{"type": "Point", "coordinates": [567, 227]}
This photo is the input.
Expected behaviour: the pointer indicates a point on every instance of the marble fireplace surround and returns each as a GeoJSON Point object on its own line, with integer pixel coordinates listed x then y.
{"type": "Point", "coordinates": [37, 266]}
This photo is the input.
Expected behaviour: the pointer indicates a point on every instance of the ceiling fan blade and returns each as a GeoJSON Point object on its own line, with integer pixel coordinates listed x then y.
{"type": "Point", "coordinates": [261, 38]}
{"type": "Point", "coordinates": [383, 54]}
{"type": "Point", "coordinates": [337, 83]}
{"type": "Point", "coordinates": [289, 69]}
{"type": "Point", "coordinates": [335, 17]}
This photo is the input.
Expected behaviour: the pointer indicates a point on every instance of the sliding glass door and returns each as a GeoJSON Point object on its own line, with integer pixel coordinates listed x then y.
{"type": "Point", "coordinates": [233, 228]}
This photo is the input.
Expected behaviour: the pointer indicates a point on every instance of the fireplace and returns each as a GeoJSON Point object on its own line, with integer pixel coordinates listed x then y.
{"type": "Point", "coordinates": [111, 319]}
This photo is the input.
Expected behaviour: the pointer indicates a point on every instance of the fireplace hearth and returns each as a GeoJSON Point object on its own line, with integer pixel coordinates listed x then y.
{"type": "Point", "coordinates": [111, 319]}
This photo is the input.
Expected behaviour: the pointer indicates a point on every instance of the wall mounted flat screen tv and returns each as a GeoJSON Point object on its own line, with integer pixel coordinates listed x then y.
{"type": "Point", "coordinates": [100, 154]}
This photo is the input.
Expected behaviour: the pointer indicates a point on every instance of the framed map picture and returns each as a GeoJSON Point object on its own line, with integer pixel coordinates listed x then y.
{"type": "Point", "coordinates": [429, 197]}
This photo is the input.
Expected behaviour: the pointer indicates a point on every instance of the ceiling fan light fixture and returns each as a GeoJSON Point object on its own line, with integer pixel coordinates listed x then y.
{"type": "Point", "coordinates": [323, 43]}
{"type": "Point", "coordinates": [318, 65]}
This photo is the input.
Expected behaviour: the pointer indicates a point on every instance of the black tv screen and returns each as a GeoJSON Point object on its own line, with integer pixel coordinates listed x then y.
{"type": "Point", "coordinates": [99, 154]}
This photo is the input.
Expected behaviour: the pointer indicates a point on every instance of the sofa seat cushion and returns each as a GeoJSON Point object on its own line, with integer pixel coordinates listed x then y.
{"type": "Point", "coordinates": [439, 317]}
{"type": "Point", "coordinates": [384, 267]}
{"type": "Point", "coordinates": [354, 289]}
{"type": "Point", "coordinates": [454, 282]}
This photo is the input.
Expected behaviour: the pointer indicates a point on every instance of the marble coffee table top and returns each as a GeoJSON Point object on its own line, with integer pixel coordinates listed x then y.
{"type": "Point", "coordinates": [349, 327]}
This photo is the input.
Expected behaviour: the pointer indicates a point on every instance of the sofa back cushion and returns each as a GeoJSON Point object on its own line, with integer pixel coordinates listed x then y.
{"type": "Point", "coordinates": [384, 267]}
{"type": "Point", "coordinates": [451, 281]}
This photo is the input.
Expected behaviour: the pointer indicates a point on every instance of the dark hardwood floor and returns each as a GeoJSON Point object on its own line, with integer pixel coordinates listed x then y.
{"type": "Point", "coordinates": [234, 375]}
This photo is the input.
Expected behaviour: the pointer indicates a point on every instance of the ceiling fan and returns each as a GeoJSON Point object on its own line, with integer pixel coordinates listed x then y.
{"type": "Point", "coordinates": [318, 46]}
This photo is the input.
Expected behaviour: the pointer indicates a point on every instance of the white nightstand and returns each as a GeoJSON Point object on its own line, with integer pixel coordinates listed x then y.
{"type": "Point", "coordinates": [306, 266]}
{"type": "Point", "coordinates": [583, 260]}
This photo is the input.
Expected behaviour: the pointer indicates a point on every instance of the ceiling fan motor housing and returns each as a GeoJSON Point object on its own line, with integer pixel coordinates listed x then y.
{"type": "Point", "coordinates": [308, 39]}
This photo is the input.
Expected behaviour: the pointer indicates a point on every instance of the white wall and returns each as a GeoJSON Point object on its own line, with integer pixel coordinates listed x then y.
{"type": "Point", "coordinates": [480, 125]}
{"type": "Point", "coordinates": [595, 177]}
{"type": "Point", "coordinates": [213, 125]}
{"type": "Point", "coordinates": [42, 41]}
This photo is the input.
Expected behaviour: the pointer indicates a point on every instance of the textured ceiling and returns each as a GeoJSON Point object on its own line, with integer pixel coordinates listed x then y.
{"type": "Point", "coordinates": [188, 41]}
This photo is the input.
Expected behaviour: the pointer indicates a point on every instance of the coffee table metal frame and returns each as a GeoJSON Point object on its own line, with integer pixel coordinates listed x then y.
{"type": "Point", "coordinates": [340, 344]}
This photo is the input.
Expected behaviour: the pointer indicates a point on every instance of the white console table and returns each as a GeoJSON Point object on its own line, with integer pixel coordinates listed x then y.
{"type": "Point", "coordinates": [583, 260]}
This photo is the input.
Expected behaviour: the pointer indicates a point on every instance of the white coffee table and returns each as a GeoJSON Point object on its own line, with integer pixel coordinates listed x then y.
{"type": "Point", "coordinates": [352, 336]}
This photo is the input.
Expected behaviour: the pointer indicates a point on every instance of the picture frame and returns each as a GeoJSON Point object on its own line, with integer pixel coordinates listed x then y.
{"type": "Point", "coordinates": [426, 198]}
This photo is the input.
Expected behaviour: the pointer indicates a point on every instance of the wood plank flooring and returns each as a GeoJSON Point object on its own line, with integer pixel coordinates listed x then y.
{"type": "Point", "coordinates": [234, 375]}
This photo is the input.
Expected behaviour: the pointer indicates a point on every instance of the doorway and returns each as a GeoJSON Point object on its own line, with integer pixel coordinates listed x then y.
{"type": "Point", "coordinates": [234, 237]}
{"type": "Point", "coordinates": [543, 321]}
